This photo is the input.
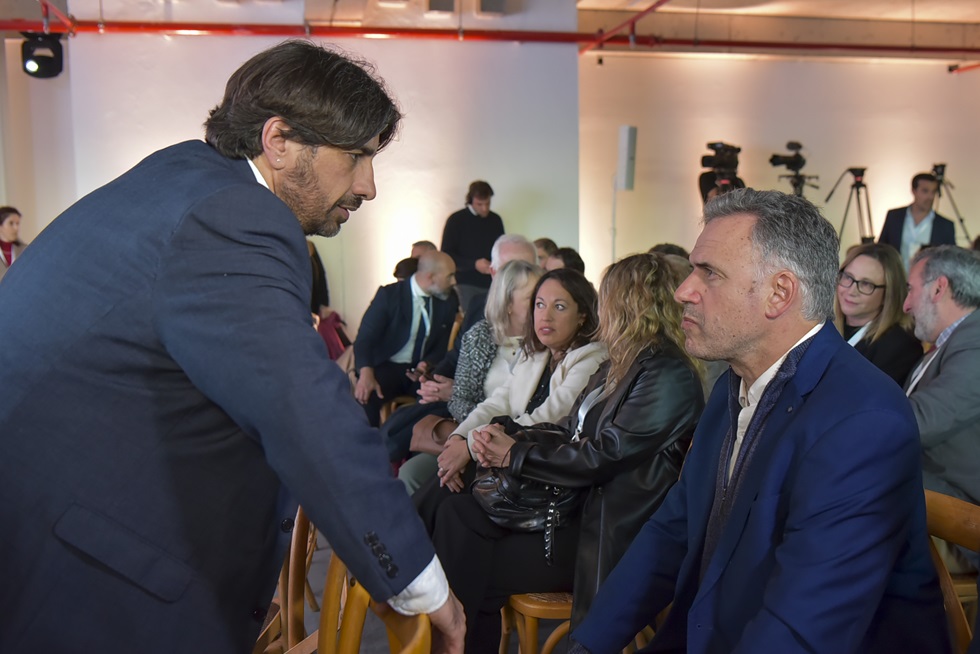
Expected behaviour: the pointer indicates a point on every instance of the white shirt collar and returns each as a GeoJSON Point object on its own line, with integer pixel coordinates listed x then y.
{"type": "Point", "coordinates": [754, 393]}
{"type": "Point", "coordinates": [258, 176]}
{"type": "Point", "coordinates": [416, 289]}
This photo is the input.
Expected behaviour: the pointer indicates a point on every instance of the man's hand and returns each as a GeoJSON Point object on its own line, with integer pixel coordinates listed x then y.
{"type": "Point", "coordinates": [366, 384]}
{"type": "Point", "coordinates": [420, 371]}
{"type": "Point", "coordinates": [437, 389]}
{"type": "Point", "coordinates": [483, 266]}
{"type": "Point", "coordinates": [448, 627]}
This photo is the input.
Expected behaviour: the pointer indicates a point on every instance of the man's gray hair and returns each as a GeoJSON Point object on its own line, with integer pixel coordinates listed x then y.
{"type": "Point", "coordinates": [789, 234]}
{"type": "Point", "coordinates": [510, 239]}
{"type": "Point", "coordinates": [961, 267]}
{"type": "Point", "coordinates": [511, 277]}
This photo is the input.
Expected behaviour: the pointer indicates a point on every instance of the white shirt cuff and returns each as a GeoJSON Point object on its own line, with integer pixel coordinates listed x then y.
{"type": "Point", "coordinates": [427, 592]}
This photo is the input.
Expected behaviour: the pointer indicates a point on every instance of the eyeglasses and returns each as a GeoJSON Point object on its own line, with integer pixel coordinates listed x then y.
{"type": "Point", "coordinates": [865, 287]}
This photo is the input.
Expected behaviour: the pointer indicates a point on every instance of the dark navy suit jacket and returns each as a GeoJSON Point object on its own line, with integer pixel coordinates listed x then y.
{"type": "Point", "coordinates": [160, 376]}
{"type": "Point", "coordinates": [825, 549]}
{"type": "Point", "coordinates": [387, 324]}
{"type": "Point", "coordinates": [943, 230]}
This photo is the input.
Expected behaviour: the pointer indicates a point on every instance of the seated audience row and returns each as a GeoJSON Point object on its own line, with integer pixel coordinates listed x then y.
{"type": "Point", "coordinates": [625, 438]}
{"type": "Point", "coordinates": [487, 354]}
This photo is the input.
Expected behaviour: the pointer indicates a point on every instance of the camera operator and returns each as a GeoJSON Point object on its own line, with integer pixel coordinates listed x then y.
{"type": "Point", "coordinates": [723, 177]}
{"type": "Point", "coordinates": [907, 229]}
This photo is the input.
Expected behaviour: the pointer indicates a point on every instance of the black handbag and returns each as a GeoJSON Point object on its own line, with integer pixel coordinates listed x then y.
{"type": "Point", "coordinates": [525, 505]}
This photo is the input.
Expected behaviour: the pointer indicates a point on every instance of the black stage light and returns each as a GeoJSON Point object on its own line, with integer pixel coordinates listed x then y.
{"type": "Point", "coordinates": [41, 55]}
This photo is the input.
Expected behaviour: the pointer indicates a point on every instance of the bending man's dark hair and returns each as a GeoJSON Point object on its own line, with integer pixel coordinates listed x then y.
{"type": "Point", "coordinates": [324, 97]}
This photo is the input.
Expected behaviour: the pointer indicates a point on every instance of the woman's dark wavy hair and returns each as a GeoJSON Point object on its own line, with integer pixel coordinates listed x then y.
{"type": "Point", "coordinates": [583, 294]}
{"type": "Point", "coordinates": [324, 97]}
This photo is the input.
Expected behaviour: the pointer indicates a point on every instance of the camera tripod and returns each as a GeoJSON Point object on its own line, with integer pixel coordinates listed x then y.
{"type": "Point", "coordinates": [939, 170]}
{"type": "Point", "coordinates": [859, 191]}
{"type": "Point", "coordinates": [798, 181]}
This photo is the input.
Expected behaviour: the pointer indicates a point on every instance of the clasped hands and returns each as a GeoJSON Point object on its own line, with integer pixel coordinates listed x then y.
{"type": "Point", "coordinates": [491, 446]}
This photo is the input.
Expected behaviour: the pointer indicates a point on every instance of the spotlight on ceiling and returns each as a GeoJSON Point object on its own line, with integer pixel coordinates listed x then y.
{"type": "Point", "coordinates": [41, 54]}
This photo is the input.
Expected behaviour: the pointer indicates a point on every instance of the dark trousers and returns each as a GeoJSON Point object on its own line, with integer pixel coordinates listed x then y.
{"type": "Point", "coordinates": [393, 382]}
{"type": "Point", "coordinates": [397, 430]}
{"type": "Point", "coordinates": [486, 563]}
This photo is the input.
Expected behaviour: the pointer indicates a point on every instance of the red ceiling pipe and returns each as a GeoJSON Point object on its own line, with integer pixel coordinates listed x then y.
{"type": "Point", "coordinates": [650, 42]}
{"type": "Point", "coordinates": [65, 20]}
{"type": "Point", "coordinates": [956, 68]}
{"type": "Point", "coordinates": [631, 23]}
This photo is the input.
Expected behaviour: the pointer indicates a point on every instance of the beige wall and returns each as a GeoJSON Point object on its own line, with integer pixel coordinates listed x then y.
{"type": "Point", "coordinates": [894, 117]}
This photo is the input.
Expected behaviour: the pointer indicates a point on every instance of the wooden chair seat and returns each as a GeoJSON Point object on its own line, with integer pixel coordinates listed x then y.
{"type": "Point", "coordinates": [524, 611]}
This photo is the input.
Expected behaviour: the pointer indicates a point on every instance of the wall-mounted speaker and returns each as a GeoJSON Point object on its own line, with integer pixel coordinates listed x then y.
{"type": "Point", "coordinates": [626, 162]}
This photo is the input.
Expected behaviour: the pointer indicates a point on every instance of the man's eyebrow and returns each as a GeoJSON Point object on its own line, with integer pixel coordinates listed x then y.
{"type": "Point", "coordinates": [366, 149]}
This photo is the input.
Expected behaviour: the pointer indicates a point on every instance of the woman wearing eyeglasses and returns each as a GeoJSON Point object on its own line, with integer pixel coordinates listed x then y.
{"type": "Point", "coordinates": [871, 288]}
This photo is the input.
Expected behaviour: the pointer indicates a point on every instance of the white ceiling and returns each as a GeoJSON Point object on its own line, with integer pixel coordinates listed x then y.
{"type": "Point", "coordinates": [943, 11]}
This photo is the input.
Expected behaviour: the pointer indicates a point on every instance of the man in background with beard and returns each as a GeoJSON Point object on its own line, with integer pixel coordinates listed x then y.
{"type": "Point", "coordinates": [161, 378]}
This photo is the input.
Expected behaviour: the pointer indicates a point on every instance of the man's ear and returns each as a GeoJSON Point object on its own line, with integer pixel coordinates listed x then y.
{"type": "Point", "coordinates": [783, 291]}
{"type": "Point", "coordinates": [940, 287]}
{"type": "Point", "coordinates": [274, 143]}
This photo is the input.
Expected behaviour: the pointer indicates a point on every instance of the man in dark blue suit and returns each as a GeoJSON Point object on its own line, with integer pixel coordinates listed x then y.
{"type": "Point", "coordinates": [404, 332]}
{"type": "Point", "coordinates": [907, 229]}
{"type": "Point", "coordinates": [798, 523]}
{"type": "Point", "coordinates": [166, 408]}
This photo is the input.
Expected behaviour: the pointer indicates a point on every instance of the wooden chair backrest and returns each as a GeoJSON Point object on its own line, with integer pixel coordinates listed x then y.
{"type": "Point", "coordinates": [957, 522]}
{"type": "Point", "coordinates": [343, 609]}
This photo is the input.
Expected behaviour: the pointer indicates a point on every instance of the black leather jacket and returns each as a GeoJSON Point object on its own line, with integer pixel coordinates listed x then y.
{"type": "Point", "coordinates": [631, 457]}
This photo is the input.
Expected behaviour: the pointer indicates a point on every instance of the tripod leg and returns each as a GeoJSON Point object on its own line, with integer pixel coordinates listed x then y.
{"type": "Point", "coordinates": [868, 231]}
{"type": "Point", "coordinates": [847, 209]}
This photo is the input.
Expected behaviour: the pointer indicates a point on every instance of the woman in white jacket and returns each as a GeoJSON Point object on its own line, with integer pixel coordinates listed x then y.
{"type": "Point", "coordinates": [559, 358]}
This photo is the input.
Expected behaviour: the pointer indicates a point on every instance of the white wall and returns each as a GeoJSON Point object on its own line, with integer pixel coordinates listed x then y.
{"type": "Point", "coordinates": [896, 118]}
{"type": "Point", "coordinates": [37, 164]}
{"type": "Point", "coordinates": [503, 112]}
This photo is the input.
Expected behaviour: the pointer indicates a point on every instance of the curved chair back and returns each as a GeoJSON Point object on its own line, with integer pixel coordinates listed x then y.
{"type": "Point", "coordinates": [957, 522]}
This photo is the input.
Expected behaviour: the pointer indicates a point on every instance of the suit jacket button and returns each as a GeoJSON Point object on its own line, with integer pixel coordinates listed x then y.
{"type": "Point", "coordinates": [370, 538]}
{"type": "Point", "coordinates": [286, 525]}
{"type": "Point", "coordinates": [385, 559]}
{"type": "Point", "coordinates": [258, 614]}
{"type": "Point", "coordinates": [378, 549]}
{"type": "Point", "coordinates": [392, 570]}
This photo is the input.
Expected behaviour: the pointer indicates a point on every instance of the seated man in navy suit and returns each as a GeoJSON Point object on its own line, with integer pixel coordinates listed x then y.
{"type": "Point", "coordinates": [907, 229]}
{"type": "Point", "coordinates": [405, 329]}
{"type": "Point", "coordinates": [798, 522]}
{"type": "Point", "coordinates": [156, 443]}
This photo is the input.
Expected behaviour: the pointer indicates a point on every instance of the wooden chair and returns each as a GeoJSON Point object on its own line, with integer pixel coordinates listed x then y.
{"type": "Point", "coordinates": [345, 607]}
{"type": "Point", "coordinates": [957, 522]}
{"type": "Point", "coordinates": [390, 407]}
{"type": "Point", "coordinates": [523, 612]}
{"type": "Point", "coordinates": [272, 639]}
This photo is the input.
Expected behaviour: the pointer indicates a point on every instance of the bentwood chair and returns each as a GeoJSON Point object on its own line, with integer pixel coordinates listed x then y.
{"type": "Point", "coordinates": [957, 522]}
{"type": "Point", "coordinates": [344, 607]}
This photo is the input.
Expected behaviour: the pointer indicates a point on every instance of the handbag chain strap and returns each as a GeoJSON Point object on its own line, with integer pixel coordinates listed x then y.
{"type": "Point", "coordinates": [551, 522]}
